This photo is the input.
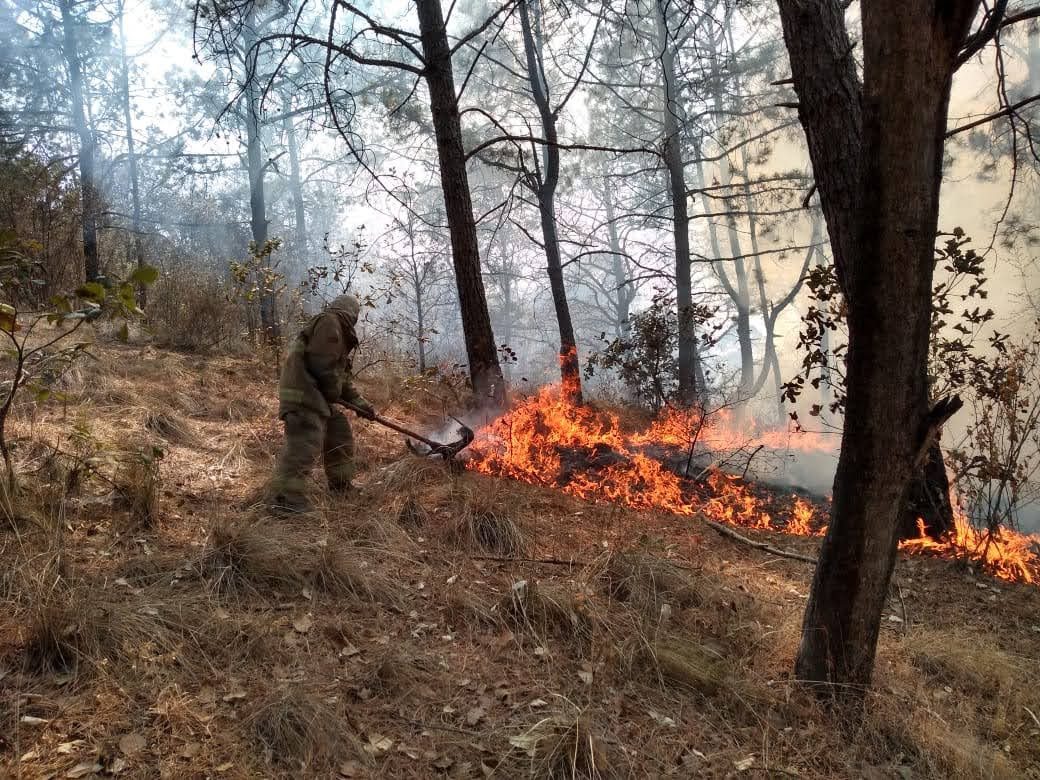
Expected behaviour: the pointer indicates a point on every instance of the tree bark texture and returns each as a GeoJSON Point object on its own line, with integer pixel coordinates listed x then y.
{"type": "Point", "coordinates": [877, 158]}
{"type": "Point", "coordinates": [87, 174]}
{"type": "Point", "coordinates": [485, 371]}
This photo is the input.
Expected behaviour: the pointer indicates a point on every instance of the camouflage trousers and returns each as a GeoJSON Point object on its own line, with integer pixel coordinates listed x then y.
{"type": "Point", "coordinates": [308, 436]}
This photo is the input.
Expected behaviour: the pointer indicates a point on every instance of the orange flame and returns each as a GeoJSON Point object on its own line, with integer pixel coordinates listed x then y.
{"type": "Point", "coordinates": [1006, 554]}
{"type": "Point", "coordinates": [547, 440]}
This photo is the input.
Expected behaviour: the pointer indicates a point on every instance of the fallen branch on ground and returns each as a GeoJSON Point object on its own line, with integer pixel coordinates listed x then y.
{"type": "Point", "coordinates": [546, 561]}
{"type": "Point", "coordinates": [730, 533]}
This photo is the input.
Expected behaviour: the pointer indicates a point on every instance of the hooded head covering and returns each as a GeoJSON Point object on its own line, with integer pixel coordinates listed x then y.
{"type": "Point", "coordinates": [348, 305]}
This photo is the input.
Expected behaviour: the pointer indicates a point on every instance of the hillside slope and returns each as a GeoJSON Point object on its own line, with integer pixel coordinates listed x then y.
{"type": "Point", "coordinates": [156, 623]}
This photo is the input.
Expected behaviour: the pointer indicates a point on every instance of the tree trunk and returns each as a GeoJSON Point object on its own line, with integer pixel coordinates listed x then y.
{"type": "Point", "coordinates": [877, 157]}
{"type": "Point", "coordinates": [622, 285]}
{"type": "Point", "coordinates": [296, 188]}
{"type": "Point", "coordinates": [671, 153]}
{"type": "Point", "coordinates": [87, 175]}
{"type": "Point", "coordinates": [1033, 44]}
{"type": "Point", "coordinates": [485, 372]}
{"type": "Point", "coordinates": [256, 168]}
{"type": "Point", "coordinates": [420, 323]}
{"type": "Point", "coordinates": [548, 178]}
{"type": "Point", "coordinates": [929, 500]}
{"type": "Point", "coordinates": [742, 292]}
{"type": "Point", "coordinates": [131, 156]}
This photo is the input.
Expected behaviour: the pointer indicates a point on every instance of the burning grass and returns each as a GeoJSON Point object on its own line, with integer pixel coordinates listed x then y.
{"type": "Point", "coordinates": [545, 440]}
{"type": "Point", "coordinates": [586, 452]}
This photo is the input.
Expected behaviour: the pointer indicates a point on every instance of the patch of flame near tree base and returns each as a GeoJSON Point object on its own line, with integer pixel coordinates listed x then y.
{"type": "Point", "coordinates": [529, 444]}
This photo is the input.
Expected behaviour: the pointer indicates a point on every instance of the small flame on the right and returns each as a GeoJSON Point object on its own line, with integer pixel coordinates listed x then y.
{"type": "Point", "coordinates": [1005, 553]}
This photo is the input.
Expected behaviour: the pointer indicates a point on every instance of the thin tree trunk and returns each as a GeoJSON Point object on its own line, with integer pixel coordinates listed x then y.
{"type": "Point", "coordinates": [296, 188]}
{"type": "Point", "coordinates": [548, 179]}
{"type": "Point", "coordinates": [485, 372]}
{"type": "Point", "coordinates": [742, 297]}
{"type": "Point", "coordinates": [623, 286]}
{"type": "Point", "coordinates": [1033, 44]}
{"type": "Point", "coordinates": [690, 388]}
{"type": "Point", "coordinates": [420, 322]}
{"type": "Point", "coordinates": [87, 175]}
{"type": "Point", "coordinates": [256, 169]}
{"type": "Point", "coordinates": [135, 192]}
{"type": "Point", "coordinates": [877, 157]}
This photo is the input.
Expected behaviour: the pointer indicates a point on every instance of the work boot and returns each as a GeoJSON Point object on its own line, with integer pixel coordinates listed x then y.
{"type": "Point", "coordinates": [290, 504]}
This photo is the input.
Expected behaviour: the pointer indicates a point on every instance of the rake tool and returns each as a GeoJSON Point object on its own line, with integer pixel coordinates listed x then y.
{"type": "Point", "coordinates": [446, 451]}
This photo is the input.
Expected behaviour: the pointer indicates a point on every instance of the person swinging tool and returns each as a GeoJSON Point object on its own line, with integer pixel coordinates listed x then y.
{"type": "Point", "coordinates": [317, 376]}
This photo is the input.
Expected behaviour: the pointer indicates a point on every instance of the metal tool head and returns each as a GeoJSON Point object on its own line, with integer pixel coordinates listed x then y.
{"type": "Point", "coordinates": [448, 450]}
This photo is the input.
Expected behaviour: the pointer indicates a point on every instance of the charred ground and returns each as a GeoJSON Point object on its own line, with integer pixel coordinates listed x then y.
{"type": "Point", "coordinates": [443, 623]}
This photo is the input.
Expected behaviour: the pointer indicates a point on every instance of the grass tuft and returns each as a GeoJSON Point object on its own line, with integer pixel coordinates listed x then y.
{"type": "Point", "coordinates": [170, 427]}
{"type": "Point", "coordinates": [683, 663]}
{"type": "Point", "coordinates": [244, 556]}
{"type": "Point", "coordinates": [565, 748]}
{"type": "Point", "coordinates": [298, 731]}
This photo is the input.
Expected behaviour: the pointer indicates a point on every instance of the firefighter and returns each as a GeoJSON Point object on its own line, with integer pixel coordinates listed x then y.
{"type": "Point", "coordinates": [315, 377]}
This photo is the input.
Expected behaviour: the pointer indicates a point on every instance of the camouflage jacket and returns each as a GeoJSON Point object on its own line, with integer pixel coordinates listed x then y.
{"type": "Point", "coordinates": [317, 369]}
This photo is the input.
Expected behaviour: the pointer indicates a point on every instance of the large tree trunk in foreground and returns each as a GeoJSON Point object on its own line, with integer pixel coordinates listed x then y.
{"type": "Point", "coordinates": [877, 157]}
{"type": "Point", "coordinates": [87, 174]}
{"type": "Point", "coordinates": [484, 369]}
{"type": "Point", "coordinates": [549, 177]}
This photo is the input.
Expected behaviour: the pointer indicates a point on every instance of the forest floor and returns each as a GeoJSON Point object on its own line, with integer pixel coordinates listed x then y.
{"type": "Point", "coordinates": [438, 624]}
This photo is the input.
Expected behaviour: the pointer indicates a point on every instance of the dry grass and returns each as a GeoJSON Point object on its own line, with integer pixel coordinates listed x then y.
{"type": "Point", "coordinates": [412, 472]}
{"type": "Point", "coordinates": [545, 613]}
{"type": "Point", "coordinates": [72, 629]}
{"type": "Point", "coordinates": [299, 732]}
{"type": "Point", "coordinates": [463, 608]}
{"type": "Point", "coordinates": [410, 512]}
{"type": "Point", "coordinates": [242, 557]}
{"type": "Point", "coordinates": [488, 531]}
{"type": "Point", "coordinates": [672, 658]}
{"type": "Point", "coordinates": [680, 662]}
{"type": "Point", "coordinates": [347, 571]}
{"type": "Point", "coordinates": [977, 667]}
{"type": "Point", "coordinates": [137, 486]}
{"type": "Point", "coordinates": [170, 427]}
{"type": "Point", "coordinates": [649, 583]}
{"type": "Point", "coordinates": [566, 748]}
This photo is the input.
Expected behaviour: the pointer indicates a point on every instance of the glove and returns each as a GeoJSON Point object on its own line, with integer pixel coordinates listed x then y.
{"type": "Point", "coordinates": [364, 408]}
